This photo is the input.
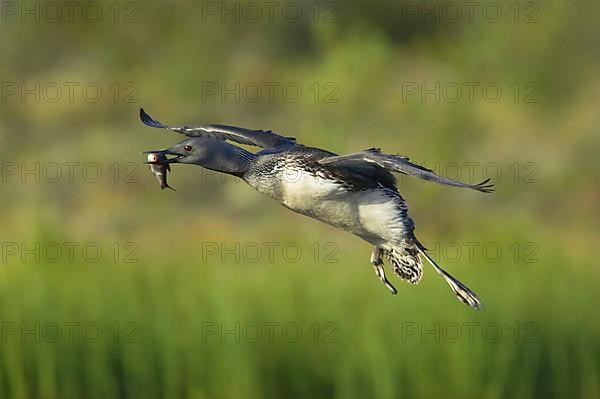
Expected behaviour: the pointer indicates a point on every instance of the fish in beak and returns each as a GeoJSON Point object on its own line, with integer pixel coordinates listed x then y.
{"type": "Point", "coordinates": [159, 166]}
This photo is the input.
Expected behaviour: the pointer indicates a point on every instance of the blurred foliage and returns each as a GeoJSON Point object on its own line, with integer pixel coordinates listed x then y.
{"type": "Point", "coordinates": [169, 55]}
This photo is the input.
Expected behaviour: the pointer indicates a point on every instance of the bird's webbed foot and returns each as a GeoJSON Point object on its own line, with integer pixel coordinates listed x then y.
{"type": "Point", "coordinates": [377, 261]}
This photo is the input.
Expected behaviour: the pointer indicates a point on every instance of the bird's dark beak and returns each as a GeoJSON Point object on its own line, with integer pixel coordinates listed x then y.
{"type": "Point", "coordinates": [162, 155]}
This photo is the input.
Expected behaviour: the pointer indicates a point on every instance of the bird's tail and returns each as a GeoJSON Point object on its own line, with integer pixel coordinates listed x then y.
{"type": "Point", "coordinates": [463, 292]}
{"type": "Point", "coordinates": [406, 262]}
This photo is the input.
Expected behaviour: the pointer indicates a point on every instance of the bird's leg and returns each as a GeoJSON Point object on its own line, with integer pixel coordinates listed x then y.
{"type": "Point", "coordinates": [377, 261]}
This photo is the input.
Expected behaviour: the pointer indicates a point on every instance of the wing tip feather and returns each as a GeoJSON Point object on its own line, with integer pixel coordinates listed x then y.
{"type": "Point", "coordinates": [485, 186]}
{"type": "Point", "coordinates": [149, 121]}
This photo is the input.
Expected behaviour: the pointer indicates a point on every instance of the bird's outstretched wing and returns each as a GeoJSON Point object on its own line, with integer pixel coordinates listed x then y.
{"type": "Point", "coordinates": [402, 164]}
{"type": "Point", "coordinates": [259, 138]}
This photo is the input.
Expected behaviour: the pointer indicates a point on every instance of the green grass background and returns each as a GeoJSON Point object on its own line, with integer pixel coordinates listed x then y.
{"type": "Point", "coordinates": [175, 291]}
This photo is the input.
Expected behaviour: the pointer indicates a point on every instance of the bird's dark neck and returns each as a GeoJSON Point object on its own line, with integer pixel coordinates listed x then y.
{"type": "Point", "coordinates": [229, 159]}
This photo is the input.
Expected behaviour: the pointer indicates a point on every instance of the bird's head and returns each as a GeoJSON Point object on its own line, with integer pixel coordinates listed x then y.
{"type": "Point", "coordinates": [208, 152]}
{"type": "Point", "coordinates": [194, 150]}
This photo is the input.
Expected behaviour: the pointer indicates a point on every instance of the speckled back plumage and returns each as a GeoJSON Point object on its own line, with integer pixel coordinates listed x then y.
{"type": "Point", "coordinates": [270, 163]}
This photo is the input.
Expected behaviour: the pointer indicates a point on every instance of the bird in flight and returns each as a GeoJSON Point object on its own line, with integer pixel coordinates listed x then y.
{"type": "Point", "coordinates": [355, 193]}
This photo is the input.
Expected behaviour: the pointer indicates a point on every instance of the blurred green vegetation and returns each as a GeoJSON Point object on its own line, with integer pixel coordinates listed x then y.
{"type": "Point", "coordinates": [171, 52]}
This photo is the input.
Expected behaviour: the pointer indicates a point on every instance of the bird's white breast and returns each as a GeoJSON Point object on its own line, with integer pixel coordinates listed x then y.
{"type": "Point", "coordinates": [301, 190]}
{"type": "Point", "coordinates": [371, 214]}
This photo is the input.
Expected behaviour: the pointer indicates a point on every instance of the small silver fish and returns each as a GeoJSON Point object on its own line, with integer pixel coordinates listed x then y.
{"type": "Point", "coordinates": [160, 168]}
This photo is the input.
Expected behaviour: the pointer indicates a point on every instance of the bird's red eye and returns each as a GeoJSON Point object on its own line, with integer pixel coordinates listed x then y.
{"type": "Point", "coordinates": [188, 148]}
